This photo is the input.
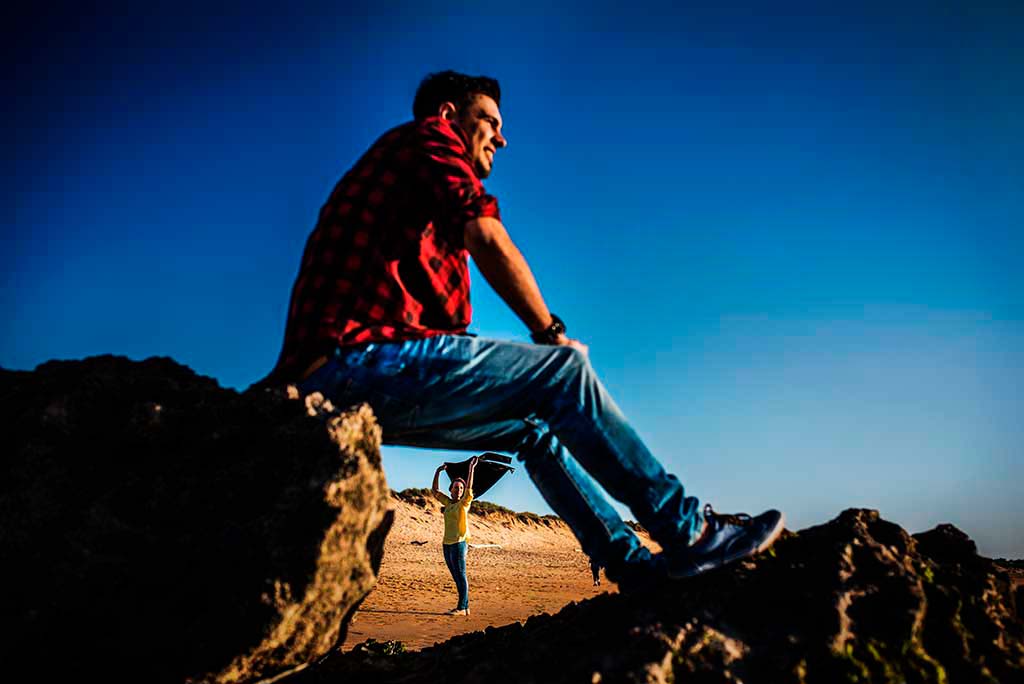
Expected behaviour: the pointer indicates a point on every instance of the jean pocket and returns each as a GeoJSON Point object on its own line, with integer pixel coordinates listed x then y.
{"type": "Point", "coordinates": [378, 360]}
{"type": "Point", "coordinates": [393, 397]}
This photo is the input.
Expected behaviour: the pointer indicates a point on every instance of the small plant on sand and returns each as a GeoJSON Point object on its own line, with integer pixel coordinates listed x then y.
{"type": "Point", "coordinates": [373, 647]}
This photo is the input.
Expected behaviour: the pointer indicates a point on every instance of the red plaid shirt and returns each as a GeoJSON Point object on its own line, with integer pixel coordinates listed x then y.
{"type": "Point", "coordinates": [386, 260]}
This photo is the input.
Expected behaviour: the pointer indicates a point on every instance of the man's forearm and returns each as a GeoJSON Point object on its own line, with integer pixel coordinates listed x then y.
{"type": "Point", "coordinates": [506, 270]}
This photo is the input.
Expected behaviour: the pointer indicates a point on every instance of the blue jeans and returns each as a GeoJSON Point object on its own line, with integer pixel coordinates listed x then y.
{"type": "Point", "coordinates": [455, 558]}
{"type": "Point", "coordinates": [544, 403]}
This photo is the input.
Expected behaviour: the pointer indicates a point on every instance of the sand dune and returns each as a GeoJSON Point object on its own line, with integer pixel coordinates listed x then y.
{"type": "Point", "coordinates": [537, 567]}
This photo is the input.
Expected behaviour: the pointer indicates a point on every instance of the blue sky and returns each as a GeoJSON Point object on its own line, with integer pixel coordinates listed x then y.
{"type": "Point", "coordinates": [791, 236]}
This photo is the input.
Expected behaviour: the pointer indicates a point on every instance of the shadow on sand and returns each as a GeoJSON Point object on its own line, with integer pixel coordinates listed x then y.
{"type": "Point", "coordinates": [400, 612]}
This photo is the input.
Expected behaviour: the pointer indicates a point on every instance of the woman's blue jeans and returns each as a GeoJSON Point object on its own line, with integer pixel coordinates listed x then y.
{"type": "Point", "coordinates": [544, 403]}
{"type": "Point", "coordinates": [455, 558]}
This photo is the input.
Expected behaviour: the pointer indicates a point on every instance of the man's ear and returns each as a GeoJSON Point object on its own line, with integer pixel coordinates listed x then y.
{"type": "Point", "coordinates": [447, 111]}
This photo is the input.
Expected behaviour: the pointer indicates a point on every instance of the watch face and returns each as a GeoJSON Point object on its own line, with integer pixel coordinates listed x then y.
{"type": "Point", "coordinates": [550, 334]}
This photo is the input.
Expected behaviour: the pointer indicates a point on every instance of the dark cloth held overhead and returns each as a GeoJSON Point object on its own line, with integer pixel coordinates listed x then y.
{"type": "Point", "coordinates": [489, 470]}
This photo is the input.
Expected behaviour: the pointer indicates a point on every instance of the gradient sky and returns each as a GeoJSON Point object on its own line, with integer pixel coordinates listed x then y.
{"type": "Point", "coordinates": [791, 237]}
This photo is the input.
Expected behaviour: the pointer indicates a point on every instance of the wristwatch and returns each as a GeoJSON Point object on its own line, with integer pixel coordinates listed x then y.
{"type": "Point", "coordinates": [549, 335]}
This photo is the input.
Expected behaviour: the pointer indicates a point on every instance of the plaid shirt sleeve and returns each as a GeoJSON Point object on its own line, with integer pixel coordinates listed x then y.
{"type": "Point", "coordinates": [447, 170]}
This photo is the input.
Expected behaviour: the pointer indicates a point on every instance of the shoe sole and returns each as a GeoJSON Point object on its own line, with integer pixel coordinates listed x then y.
{"type": "Point", "coordinates": [773, 536]}
{"type": "Point", "coordinates": [770, 539]}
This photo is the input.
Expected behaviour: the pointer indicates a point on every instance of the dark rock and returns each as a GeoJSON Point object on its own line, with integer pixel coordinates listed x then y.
{"type": "Point", "coordinates": [946, 543]}
{"type": "Point", "coordinates": [157, 527]}
{"type": "Point", "coordinates": [853, 600]}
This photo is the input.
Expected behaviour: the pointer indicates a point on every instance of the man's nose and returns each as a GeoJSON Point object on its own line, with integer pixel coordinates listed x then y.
{"type": "Point", "coordinates": [499, 140]}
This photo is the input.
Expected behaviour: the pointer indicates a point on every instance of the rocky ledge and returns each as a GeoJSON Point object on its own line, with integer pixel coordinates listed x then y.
{"type": "Point", "coordinates": [857, 599]}
{"type": "Point", "coordinates": [160, 528]}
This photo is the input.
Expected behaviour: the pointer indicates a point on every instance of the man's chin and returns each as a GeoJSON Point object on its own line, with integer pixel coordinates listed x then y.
{"type": "Point", "coordinates": [482, 171]}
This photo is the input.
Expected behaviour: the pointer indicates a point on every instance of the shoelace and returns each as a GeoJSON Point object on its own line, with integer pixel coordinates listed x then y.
{"type": "Point", "coordinates": [734, 518]}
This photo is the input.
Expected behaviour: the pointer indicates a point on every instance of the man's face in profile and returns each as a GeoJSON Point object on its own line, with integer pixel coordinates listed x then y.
{"type": "Point", "coordinates": [481, 121]}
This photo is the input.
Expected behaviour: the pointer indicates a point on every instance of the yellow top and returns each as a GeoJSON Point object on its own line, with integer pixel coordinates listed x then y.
{"type": "Point", "coordinates": [456, 527]}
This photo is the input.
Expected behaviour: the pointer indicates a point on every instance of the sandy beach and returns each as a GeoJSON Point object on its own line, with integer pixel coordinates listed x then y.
{"type": "Point", "coordinates": [536, 566]}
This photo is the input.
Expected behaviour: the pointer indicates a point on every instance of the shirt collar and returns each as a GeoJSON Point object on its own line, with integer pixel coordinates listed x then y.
{"type": "Point", "coordinates": [444, 123]}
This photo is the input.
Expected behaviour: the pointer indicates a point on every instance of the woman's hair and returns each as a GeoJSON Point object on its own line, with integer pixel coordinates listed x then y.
{"type": "Point", "coordinates": [451, 86]}
{"type": "Point", "coordinates": [458, 479]}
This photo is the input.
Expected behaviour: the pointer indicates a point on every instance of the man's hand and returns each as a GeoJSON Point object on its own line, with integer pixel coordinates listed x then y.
{"type": "Point", "coordinates": [564, 341]}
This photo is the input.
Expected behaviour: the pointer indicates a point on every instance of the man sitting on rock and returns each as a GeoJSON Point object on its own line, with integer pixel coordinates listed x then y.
{"type": "Point", "coordinates": [379, 313]}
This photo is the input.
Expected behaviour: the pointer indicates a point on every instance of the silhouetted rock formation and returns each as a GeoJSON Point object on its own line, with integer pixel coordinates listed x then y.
{"type": "Point", "coordinates": [854, 600]}
{"type": "Point", "coordinates": [157, 527]}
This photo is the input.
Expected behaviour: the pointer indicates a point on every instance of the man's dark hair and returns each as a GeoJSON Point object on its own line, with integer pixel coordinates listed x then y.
{"type": "Point", "coordinates": [451, 86]}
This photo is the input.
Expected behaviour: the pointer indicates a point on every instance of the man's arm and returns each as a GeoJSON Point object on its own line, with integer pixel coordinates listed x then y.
{"type": "Point", "coordinates": [505, 268]}
{"type": "Point", "coordinates": [434, 489]}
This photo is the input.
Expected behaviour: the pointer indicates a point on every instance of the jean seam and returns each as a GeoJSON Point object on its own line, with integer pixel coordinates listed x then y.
{"type": "Point", "coordinates": [596, 425]}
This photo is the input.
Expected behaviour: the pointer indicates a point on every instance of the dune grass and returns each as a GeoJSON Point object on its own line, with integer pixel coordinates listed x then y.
{"type": "Point", "coordinates": [421, 496]}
